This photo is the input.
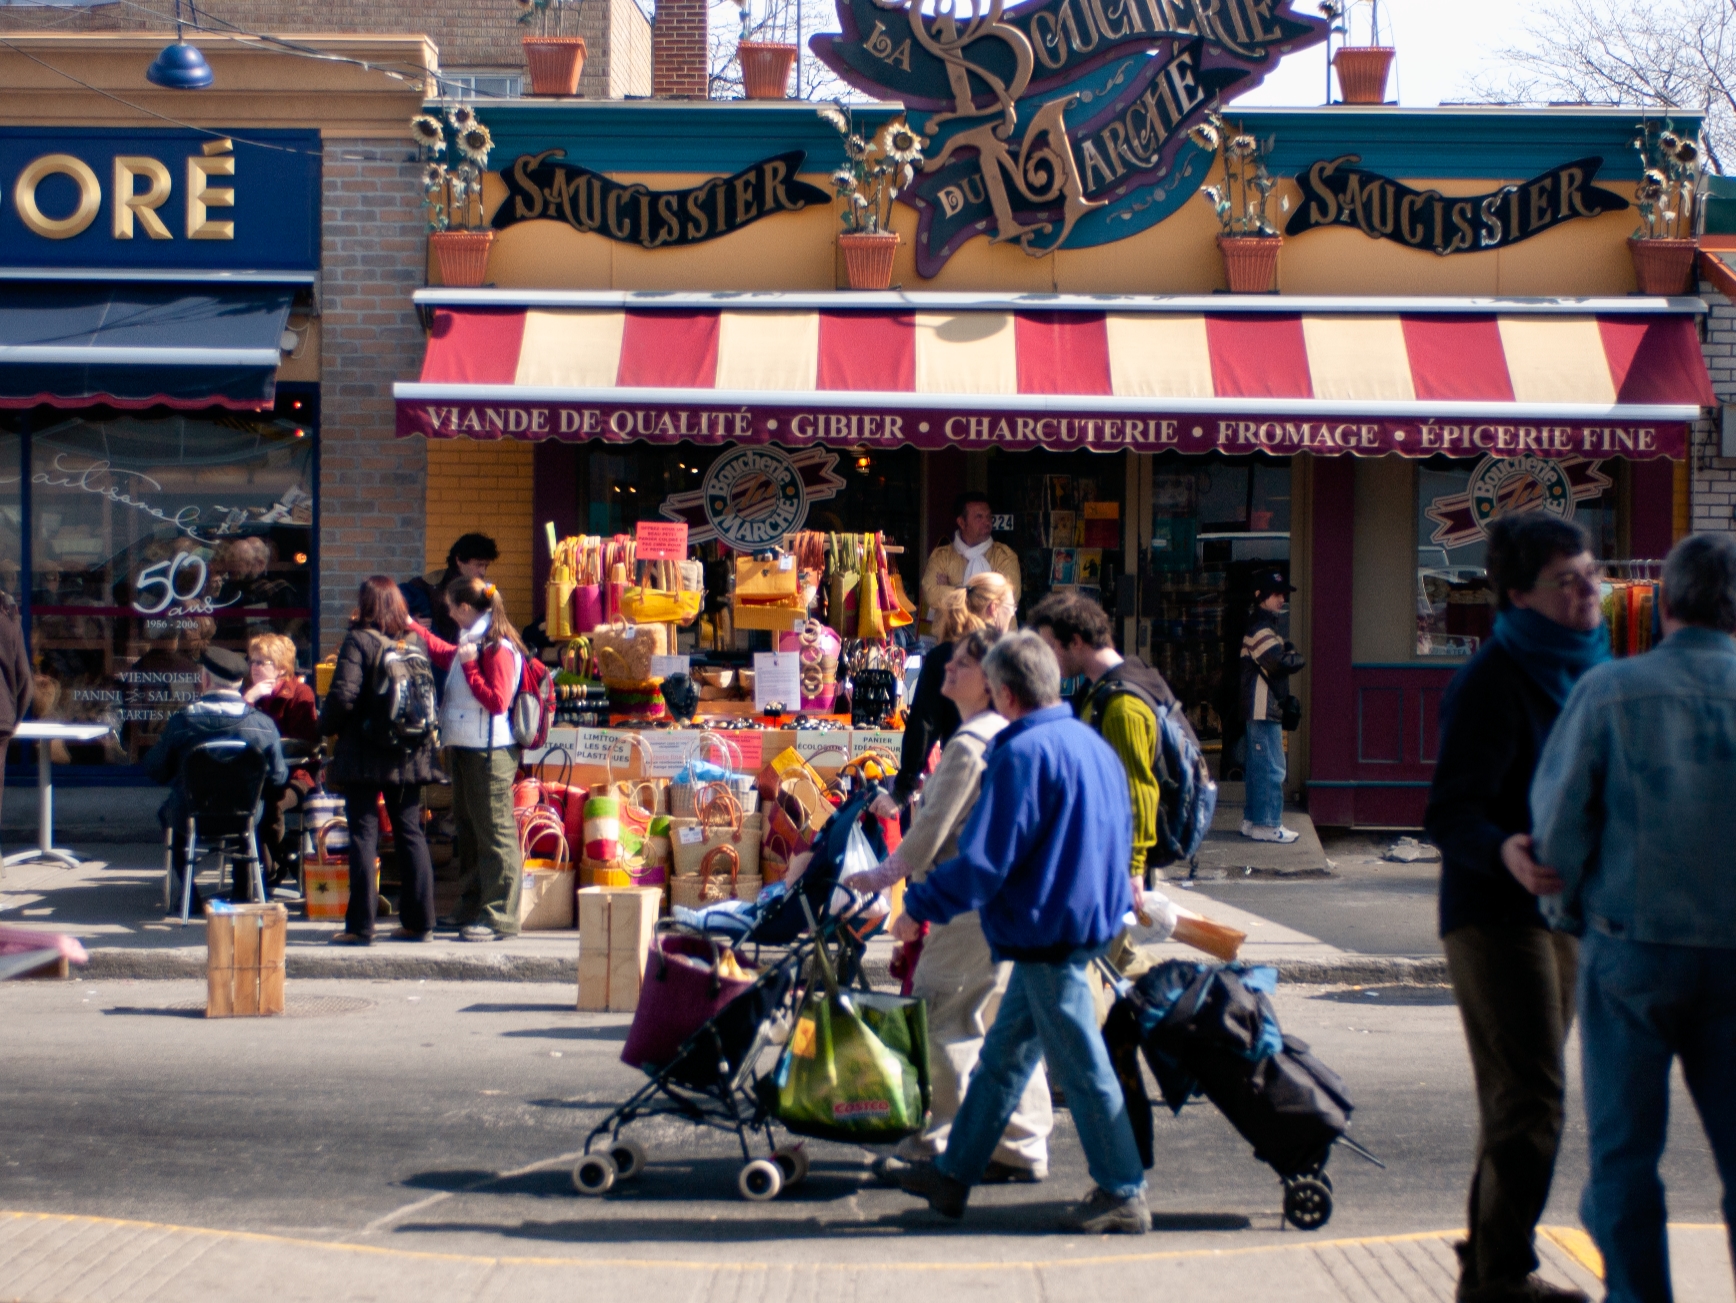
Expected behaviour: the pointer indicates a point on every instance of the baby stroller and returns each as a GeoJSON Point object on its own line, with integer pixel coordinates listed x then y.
{"type": "Point", "coordinates": [702, 1031]}
{"type": "Point", "coordinates": [1211, 1030]}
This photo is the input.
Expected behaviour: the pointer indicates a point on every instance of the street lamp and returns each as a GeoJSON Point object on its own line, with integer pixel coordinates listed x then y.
{"type": "Point", "coordinates": [180, 66]}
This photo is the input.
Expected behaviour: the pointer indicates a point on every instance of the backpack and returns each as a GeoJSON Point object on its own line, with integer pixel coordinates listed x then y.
{"type": "Point", "coordinates": [1188, 795]}
{"type": "Point", "coordinates": [406, 709]}
{"type": "Point", "coordinates": [533, 705]}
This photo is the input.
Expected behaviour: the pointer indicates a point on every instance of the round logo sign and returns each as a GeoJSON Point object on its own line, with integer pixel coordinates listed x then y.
{"type": "Point", "coordinates": [1502, 486]}
{"type": "Point", "coordinates": [754, 497]}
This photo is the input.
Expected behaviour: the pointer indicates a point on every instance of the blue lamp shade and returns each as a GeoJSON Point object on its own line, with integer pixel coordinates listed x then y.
{"type": "Point", "coordinates": [180, 67]}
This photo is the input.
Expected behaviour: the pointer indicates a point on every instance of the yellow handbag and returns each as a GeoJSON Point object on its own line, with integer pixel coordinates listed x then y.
{"type": "Point", "coordinates": [654, 606]}
{"type": "Point", "coordinates": [869, 624]}
{"type": "Point", "coordinates": [766, 582]}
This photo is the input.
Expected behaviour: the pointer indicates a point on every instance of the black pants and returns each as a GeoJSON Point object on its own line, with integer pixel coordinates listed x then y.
{"type": "Point", "coordinates": [276, 848]}
{"type": "Point", "coordinates": [241, 877]}
{"type": "Point", "coordinates": [1514, 985]}
{"type": "Point", "coordinates": [415, 870]}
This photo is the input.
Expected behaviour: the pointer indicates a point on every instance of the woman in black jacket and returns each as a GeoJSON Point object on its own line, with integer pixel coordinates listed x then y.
{"type": "Point", "coordinates": [369, 764]}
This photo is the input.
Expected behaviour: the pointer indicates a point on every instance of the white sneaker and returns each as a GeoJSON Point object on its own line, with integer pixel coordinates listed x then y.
{"type": "Point", "coordinates": [1247, 828]}
{"type": "Point", "coordinates": [1282, 835]}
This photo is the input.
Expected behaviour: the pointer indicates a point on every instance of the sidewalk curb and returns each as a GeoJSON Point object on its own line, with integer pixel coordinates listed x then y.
{"type": "Point", "coordinates": [401, 963]}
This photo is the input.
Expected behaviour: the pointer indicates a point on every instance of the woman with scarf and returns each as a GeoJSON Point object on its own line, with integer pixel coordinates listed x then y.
{"type": "Point", "coordinates": [1513, 978]}
{"type": "Point", "coordinates": [483, 670]}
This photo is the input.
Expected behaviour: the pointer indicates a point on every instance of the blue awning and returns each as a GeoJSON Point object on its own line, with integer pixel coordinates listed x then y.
{"type": "Point", "coordinates": [81, 344]}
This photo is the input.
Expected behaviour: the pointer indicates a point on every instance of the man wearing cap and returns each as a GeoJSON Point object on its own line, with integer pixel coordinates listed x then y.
{"type": "Point", "coordinates": [218, 713]}
{"type": "Point", "coordinates": [1268, 661]}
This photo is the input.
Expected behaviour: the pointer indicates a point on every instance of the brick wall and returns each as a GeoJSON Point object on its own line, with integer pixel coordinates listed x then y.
{"type": "Point", "coordinates": [1713, 492]}
{"type": "Point", "coordinates": [680, 49]}
{"type": "Point", "coordinates": [484, 488]}
{"type": "Point", "coordinates": [470, 34]}
{"type": "Point", "coordinates": [372, 484]}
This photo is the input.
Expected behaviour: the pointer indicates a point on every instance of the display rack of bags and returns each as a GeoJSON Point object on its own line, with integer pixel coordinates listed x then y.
{"type": "Point", "coordinates": [1632, 606]}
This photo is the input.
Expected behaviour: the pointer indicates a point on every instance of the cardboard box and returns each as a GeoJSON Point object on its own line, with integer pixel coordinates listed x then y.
{"type": "Point", "coordinates": [616, 925]}
{"type": "Point", "coordinates": [244, 966]}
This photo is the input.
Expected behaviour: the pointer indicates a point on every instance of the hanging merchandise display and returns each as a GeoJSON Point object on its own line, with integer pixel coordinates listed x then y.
{"type": "Point", "coordinates": [1632, 607]}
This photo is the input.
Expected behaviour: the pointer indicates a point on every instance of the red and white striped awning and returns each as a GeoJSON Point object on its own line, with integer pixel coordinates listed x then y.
{"type": "Point", "coordinates": [1417, 377]}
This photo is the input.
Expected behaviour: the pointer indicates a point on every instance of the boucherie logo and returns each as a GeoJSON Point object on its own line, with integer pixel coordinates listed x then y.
{"type": "Point", "coordinates": [540, 187]}
{"type": "Point", "coordinates": [1058, 123]}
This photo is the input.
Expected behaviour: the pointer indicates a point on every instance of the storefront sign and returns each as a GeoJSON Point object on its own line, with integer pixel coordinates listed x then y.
{"type": "Point", "coordinates": [1106, 92]}
{"type": "Point", "coordinates": [752, 497]}
{"type": "Point", "coordinates": [1504, 486]}
{"type": "Point", "coordinates": [538, 188]}
{"type": "Point", "coordinates": [175, 199]}
{"type": "Point", "coordinates": [1056, 424]}
{"type": "Point", "coordinates": [1338, 194]}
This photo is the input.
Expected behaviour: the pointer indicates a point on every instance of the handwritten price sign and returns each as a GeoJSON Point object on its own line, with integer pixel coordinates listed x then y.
{"type": "Point", "coordinates": [661, 540]}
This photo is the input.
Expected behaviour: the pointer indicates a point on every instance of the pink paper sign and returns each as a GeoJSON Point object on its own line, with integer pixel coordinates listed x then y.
{"type": "Point", "coordinates": [752, 744]}
{"type": "Point", "coordinates": [661, 540]}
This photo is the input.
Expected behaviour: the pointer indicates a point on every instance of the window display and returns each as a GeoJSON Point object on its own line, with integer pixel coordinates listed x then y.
{"type": "Point", "coordinates": [150, 538]}
{"type": "Point", "coordinates": [1456, 501]}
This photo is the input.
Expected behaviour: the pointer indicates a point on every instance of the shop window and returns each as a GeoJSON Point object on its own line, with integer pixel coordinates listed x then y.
{"type": "Point", "coordinates": [148, 538]}
{"type": "Point", "coordinates": [1455, 608]}
{"type": "Point", "coordinates": [1066, 514]}
{"type": "Point", "coordinates": [1214, 523]}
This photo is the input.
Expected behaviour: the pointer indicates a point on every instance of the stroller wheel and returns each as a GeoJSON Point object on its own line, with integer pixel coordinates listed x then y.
{"type": "Point", "coordinates": [760, 1181]}
{"type": "Point", "coordinates": [1307, 1203]}
{"type": "Point", "coordinates": [594, 1174]}
{"type": "Point", "coordinates": [628, 1156]}
{"type": "Point", "coordinates": [793, 1162]}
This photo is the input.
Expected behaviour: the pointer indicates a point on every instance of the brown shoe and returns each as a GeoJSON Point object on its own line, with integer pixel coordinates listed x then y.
{"type": "Point", "coordinates": [404, 934]}
{"type": "Point", "coordinates": [351, 939]}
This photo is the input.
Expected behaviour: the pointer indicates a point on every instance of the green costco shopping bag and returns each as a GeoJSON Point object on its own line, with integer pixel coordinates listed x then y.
{"type": "Point", "coordinates": [856, 1066]}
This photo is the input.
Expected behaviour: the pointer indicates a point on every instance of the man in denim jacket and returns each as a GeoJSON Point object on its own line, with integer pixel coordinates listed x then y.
{"type": "Point", "coordinates": [1630, 807]}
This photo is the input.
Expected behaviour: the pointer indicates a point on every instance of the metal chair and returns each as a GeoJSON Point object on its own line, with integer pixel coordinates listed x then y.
{"type": "Point", "coordinates": [223, 780]}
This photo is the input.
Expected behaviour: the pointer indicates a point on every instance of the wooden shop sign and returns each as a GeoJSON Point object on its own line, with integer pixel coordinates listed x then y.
{"type": "Point", "coordinates": [1336, 193]}
{"type": "Point", "coordinates": [538, 188]}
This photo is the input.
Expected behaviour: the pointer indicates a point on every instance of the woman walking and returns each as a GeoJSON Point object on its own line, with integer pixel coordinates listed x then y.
{"type": "Point", "coordinates": [956, 974]}
{"type": "Point", "coordinates": [274, 690]}
{"type": "Point", "coordinates": [1513, 977]}
{"type": "Point", "coordinates": [985, 601]}
{"type": "Point", "coordinates": [370, 764]}
{"type": "Point", "coordinates": [482, 670]}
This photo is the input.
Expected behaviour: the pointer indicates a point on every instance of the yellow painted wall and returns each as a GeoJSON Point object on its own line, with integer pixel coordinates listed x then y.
{"type": "Point", "coordinates": [798, 251]}
{"type": "Point", "coordinates": [485, 488]}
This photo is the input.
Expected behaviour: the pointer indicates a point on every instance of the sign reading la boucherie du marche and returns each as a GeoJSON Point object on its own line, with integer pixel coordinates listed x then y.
{"type": "Point", "coordinates": [170, 199]}
{"type": "Point", "coordinates": [1058, 123]}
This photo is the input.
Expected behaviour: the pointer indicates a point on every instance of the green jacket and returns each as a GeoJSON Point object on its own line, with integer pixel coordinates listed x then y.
{"type": "Point", "coordinates": [1131, 731]}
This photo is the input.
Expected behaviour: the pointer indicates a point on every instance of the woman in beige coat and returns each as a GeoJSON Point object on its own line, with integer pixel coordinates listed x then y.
{"type": "Point", "coordinates": [956, 973]}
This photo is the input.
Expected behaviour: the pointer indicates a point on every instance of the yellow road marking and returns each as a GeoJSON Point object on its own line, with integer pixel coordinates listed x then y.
{"type": "Point", "coordinates": [1577, 1245]}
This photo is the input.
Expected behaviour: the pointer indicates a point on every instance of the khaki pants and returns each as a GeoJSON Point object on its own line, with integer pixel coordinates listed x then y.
{"type": "Point", "coordinates": [486, 840]}
{"type": "Point", "coordinates": [963, 986]}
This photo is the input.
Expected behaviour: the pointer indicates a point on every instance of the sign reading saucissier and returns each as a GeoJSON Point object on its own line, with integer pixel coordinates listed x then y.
{"type": "Point", "coordinates": [538, 187]}
{"type": "Point", "coordinates": [1335, 193]}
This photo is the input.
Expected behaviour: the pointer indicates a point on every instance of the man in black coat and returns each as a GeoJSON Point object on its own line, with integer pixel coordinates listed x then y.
{"type": "Point", "coordinates": [219, 713]}
{"type": "Point", "coordinates": [1512, 977]}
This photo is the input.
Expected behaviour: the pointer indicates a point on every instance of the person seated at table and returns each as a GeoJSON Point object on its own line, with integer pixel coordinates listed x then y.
{"type": "Point", "coordinates": [287, 702]}
{"type": "Point", "coordinates": [218, 713]}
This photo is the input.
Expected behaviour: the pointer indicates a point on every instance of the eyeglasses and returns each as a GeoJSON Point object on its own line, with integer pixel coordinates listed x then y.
{"type": "Point", "coordinates": [252, 661]}
{"type": "Point", "coordinates": [1574, 580]}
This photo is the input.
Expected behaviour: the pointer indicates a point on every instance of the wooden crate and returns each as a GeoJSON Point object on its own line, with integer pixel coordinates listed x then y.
{"type": "Point", "coordinates": [615, 930]}
{"type": "Point", "coordinates": [244, 969]}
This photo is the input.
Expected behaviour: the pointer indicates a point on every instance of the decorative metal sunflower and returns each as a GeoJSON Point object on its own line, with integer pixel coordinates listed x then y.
{"type": "Point", "coordinates": [427, 131]}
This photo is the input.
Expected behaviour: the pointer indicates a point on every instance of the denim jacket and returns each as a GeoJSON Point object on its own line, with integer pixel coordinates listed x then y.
{"type": "Point", "coordinates": [1633, 795]}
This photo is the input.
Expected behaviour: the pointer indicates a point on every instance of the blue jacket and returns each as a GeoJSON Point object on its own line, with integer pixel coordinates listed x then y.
{"type": "Point", "coordinates": [1043, 857]}
{"type": "Point", "coordinates": [219, 714]}
{"type": "Point", "coordinates": [1631, 803]}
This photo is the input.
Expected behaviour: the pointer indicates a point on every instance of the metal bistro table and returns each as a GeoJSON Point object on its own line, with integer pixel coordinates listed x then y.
{"type": "Point", "coordinates": [44, 733]}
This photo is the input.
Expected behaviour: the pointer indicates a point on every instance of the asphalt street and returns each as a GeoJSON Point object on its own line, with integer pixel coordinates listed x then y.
{"type": "Point", "coordinates": [445, 1117]}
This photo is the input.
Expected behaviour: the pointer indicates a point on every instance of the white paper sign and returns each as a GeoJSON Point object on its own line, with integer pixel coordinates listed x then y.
{"type": "Point", "coordinates": [690, 836]}
{"type": "Point", "coordinates": [587, 746]}
{"type": "Point", "coordinates": [663, 666]}
{"type": "Point", "coordinates": [864, 739]}
{"type": "Point", "coordinates": [777, 677]}
{"type": "Point", "coordinates": [837, 742]}
{"type": "Point", "coordinates": [669, 752]}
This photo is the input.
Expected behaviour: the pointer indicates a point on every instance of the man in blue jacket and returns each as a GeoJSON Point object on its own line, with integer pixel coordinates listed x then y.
{"type": "Point", "coordinates": [1631, 808]}
{"type": "Point", "coordinates": [1043, 860]}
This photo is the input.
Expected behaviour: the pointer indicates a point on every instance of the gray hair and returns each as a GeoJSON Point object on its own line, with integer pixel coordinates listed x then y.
{"type": "Point", "coordinates": [1023, 664]}
{"type": "Point", "coordinates": [1700, 582]}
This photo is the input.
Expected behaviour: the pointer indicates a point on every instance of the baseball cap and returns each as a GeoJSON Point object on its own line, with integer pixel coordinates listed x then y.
{"type": "Point", "coordinates": [1267, 582]}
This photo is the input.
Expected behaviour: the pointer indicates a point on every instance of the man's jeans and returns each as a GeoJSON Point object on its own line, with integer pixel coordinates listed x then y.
{"type": "Point", "coordinates": [1049, 1012]}
{"type": "Point", "coordinates": [1264, 774]}
{"type": "Point", "coordinates": [1641, 1005]}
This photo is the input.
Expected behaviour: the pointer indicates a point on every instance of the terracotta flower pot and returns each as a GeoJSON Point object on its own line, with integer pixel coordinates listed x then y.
{"type": "Point", "coordinates": [555, 63]}
{"type": "Point", "coordinates": [461, 255]}
{"type": "Point", "coordinates": [1362, 72]}
{"type": "Point", "coordinates": [868, 258]}
{"type": "Point", "coordinates": [1250, 262]}
{"type": "Point", "coordinates": [1664, 266]}
{"type": "Point", "coordinates": [765, 69]}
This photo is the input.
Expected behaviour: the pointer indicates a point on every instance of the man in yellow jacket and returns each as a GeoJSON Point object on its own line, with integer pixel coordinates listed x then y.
{"type": "Point", "coordinates": [972, 551]}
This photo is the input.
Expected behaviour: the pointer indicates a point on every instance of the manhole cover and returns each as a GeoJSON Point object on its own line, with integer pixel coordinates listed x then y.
{"type": "Point", "coordinates": [304, 1006]}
